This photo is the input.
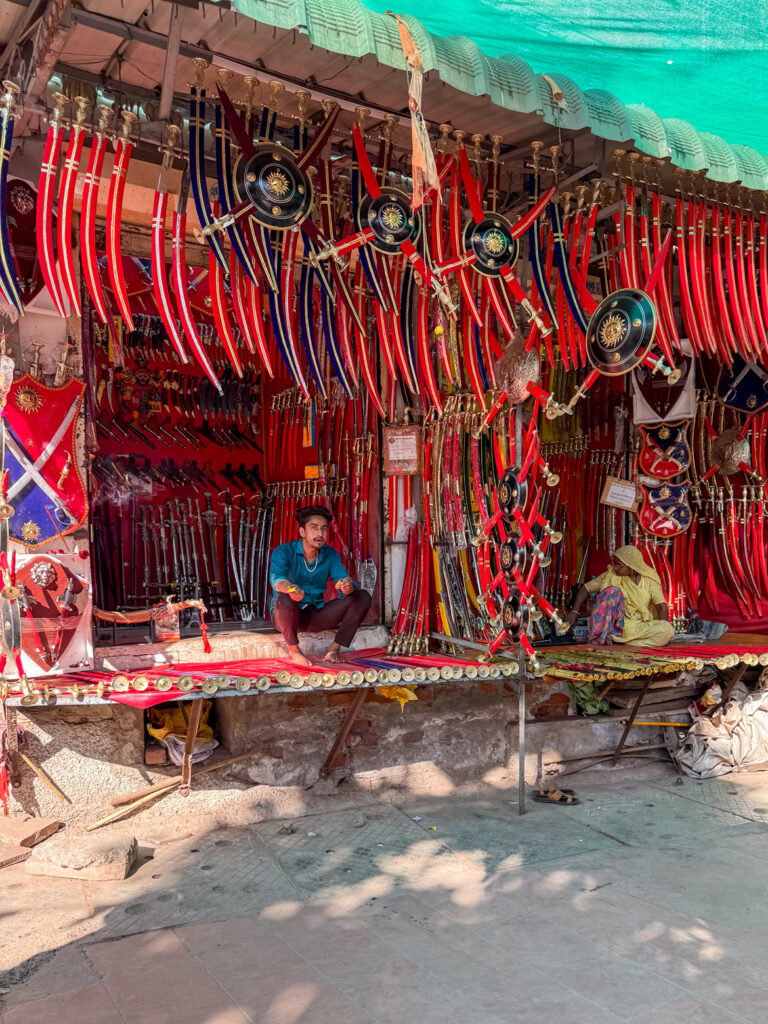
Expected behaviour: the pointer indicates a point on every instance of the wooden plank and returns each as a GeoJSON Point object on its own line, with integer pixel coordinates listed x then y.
{"type": "Point", "coordinates": [346, 725]}
{"type": "Point", "coordinates": [28, 831]}
{"type": "Point", "coordinates": [12, 853]}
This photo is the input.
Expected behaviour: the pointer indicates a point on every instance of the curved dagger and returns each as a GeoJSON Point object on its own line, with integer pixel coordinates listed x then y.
{"type": "Point", "coordinates": [45, 189]}
{"type": "Point", "coordinates": [114, 217]}
{"type": "Point", "coordinates": [66, 202]}
{"type": "Point", "coordinates": [180, 281]}
{"type": "Point", "coordinates": [88, 215]}
{"type": "Point", "coordinates": [159, 276]}
{"type": "Point", "coordinates": [8, 280]}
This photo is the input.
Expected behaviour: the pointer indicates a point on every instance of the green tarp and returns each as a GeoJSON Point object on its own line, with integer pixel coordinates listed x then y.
{"type": "Point", "coordinates": [705, 61]}
{"type": "Point", "coordinates": [685, 81]}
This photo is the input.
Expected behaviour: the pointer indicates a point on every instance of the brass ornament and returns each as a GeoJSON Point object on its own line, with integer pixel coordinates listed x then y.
{"type": "Point", "coordinates": [612, 330]}
{"type": "Point", "coordinates": [30, 532]}
{"type": "Point", "coordinates": [6, 510]}
{"type": "Point", "coordinates": [729, 451]}
{"type": "Point", "coordinates": [28, 399]}
{"type": "Point", "coordinates": [516, 368]}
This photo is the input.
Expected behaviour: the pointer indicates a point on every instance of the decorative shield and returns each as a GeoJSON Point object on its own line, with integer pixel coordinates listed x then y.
{"type": "Point", "coordinates": [515, 616]}
{"type": "Point", "coordinates": [21, 213]}
{"type": "Point", "coordinates": [492, 243]}
{"type": "Point", "coordinates": [511, 493]}
{"type": "Point", "coordinates": [655, 388]}
{"type": "Point", "coordinates": [279, 190]}
{"type": "Point", "coordinates": [665, 511]}
{"type": "Point", "coordinates": [516, 368]}
{"type": "Point", "coordinates": [743, 386]}
{"type": "Point", "coordinates": [50, 622]}
{"type": "Point", "coordinates": [45, 488]}
{"type": "Point", "coordinates": [511, 558]}
{"type": "Point", "coordinates": [665, 451]}
{"type": "Point", "coordinates": [621, 331]}
{"type": "Point", "coordinates": [729, 451]}
{"type": "Point", "coordinates": [390, 217]}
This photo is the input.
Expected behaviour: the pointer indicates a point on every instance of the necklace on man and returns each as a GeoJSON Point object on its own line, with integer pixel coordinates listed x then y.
{"type": "Point", "coordinates": [314, 564]}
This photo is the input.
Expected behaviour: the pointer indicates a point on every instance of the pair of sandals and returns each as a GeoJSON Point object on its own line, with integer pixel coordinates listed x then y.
{"type": "Point", "coordinates": [556, 796]}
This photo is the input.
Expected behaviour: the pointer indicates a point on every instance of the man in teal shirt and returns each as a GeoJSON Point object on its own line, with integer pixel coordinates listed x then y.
{"type": "Point", "coordinates": [299, 573]}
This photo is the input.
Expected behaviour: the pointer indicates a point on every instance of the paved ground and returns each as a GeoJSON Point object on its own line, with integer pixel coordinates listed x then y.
{"type": "Point", "coordinates": [646, 903]}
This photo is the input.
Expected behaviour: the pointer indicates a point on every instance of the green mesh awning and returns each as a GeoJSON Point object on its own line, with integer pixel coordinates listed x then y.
{"type": "Point", "coordinates": [684, 79]}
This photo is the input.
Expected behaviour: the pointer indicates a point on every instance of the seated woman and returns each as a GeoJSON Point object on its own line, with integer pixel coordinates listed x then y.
{"type": "Point", "coordinates": [630, 606]}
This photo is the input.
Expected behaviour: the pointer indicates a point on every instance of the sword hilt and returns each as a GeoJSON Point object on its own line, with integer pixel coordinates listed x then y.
{"type": "Point", "coordinates": [214, 225]}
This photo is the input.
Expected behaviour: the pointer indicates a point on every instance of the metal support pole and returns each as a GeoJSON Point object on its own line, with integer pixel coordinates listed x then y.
{"type": "Point", "coordinates": [171, 61]}
{"type": "Point", "coordinates": [521, 680]}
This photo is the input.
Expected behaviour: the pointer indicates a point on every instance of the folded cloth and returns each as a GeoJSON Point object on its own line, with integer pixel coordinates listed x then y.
{"type": "Point", "coordinates": [735, 739]}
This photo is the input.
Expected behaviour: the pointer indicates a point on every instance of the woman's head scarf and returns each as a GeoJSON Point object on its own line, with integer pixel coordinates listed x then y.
{"type": "Point", "coordinates": [633, 557]}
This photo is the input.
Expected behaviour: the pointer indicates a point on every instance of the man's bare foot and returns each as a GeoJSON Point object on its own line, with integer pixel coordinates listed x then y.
{"type": "Point", "coordinates": [332, 656]}
{"type": "Point", "coordinates": [298, 658]}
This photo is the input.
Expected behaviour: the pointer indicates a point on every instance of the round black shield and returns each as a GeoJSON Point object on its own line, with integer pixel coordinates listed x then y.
{"type": "Point", "coordinates": [391, 219]}
{"type": "Point", "coordinates": [511, 558]}
{"type": "Point", "coordinates": [280, 191]}
{"type": "Point", "coordinates": [515, 617]}
{"type": "Point", "coordinates": [620, 331]}
{"type": "Point", "coordinates": [492, 244]}
{"type": "Point", "coordinates": [511, 493]}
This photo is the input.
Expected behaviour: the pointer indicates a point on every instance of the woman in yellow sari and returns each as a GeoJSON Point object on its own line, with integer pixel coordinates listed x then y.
{"type": "Point", "coordinates": [630, 606]}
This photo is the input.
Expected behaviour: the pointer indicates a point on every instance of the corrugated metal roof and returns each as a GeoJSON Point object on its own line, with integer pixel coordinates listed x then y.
{"type": "Point", "coordinates": [347, 27]}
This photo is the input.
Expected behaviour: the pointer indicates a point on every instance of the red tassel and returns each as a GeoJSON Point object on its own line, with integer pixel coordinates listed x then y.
{"type": "Point", "coordinates": [204, 631]}
{"type": "Point", "coordinates": [4, 791]}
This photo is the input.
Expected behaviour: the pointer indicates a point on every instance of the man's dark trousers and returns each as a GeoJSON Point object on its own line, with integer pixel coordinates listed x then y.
{"type": "Point", "coordinates": [344, 614]}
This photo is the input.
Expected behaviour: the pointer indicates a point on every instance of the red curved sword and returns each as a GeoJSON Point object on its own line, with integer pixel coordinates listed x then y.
{"type": "Point", "coordinates": [219, 308]}
{"type": "Point", "coordinates": [159, 274]}
{"type": "Point", "coordinates": [66, 202]}
{"type": "Point", "coordinates": [45, 189]}
{"type": "Point", "coordinates": [115, 215]}
{"type": "Point", "coordinates": [180, 281]}
{"type": "Point", "coordinates": [88, 215]}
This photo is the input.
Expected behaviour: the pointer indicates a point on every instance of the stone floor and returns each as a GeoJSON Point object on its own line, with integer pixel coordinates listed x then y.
{"type": "Point", "coordinates": [646, 904]}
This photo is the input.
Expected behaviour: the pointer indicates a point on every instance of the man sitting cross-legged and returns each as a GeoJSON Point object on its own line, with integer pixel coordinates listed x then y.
{"type": "Point", "coordinates": [299, 573]}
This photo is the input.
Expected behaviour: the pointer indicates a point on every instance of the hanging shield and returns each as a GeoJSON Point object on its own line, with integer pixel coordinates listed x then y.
{"type": "Point", "coordinates": [516, 369]}
{"type": "Point", "coordinates": [665, 450]}
{"type": "Point", "coordinates": [492, 244]}
{"type": "Point", "coordinates": [278, 189]}
{"type": "Point", "coordinates": [665, 511]}
{"type": "Point", "coordinates": [45, 488]}
{"type": "Point", "coordinates": [511, 558]}
{"type": "Point", "coordinates": [621, 331]}
{"type": "Point", "coordinates": [511, 493]}
{"type": "Point", "coordinates": [743, 386]}
{"type": "Point", "coordinates": [390, 217]}
{"type": "Point", "coordinates": [21, 215]}
{"type": "Point", "coordinates": [729, 451]}
{"type": "Point", "coordinates": [515, 616]}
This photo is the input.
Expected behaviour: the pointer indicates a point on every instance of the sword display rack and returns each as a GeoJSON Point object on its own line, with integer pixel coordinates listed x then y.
{"type": "Point", "coordinates": [328, 302]}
